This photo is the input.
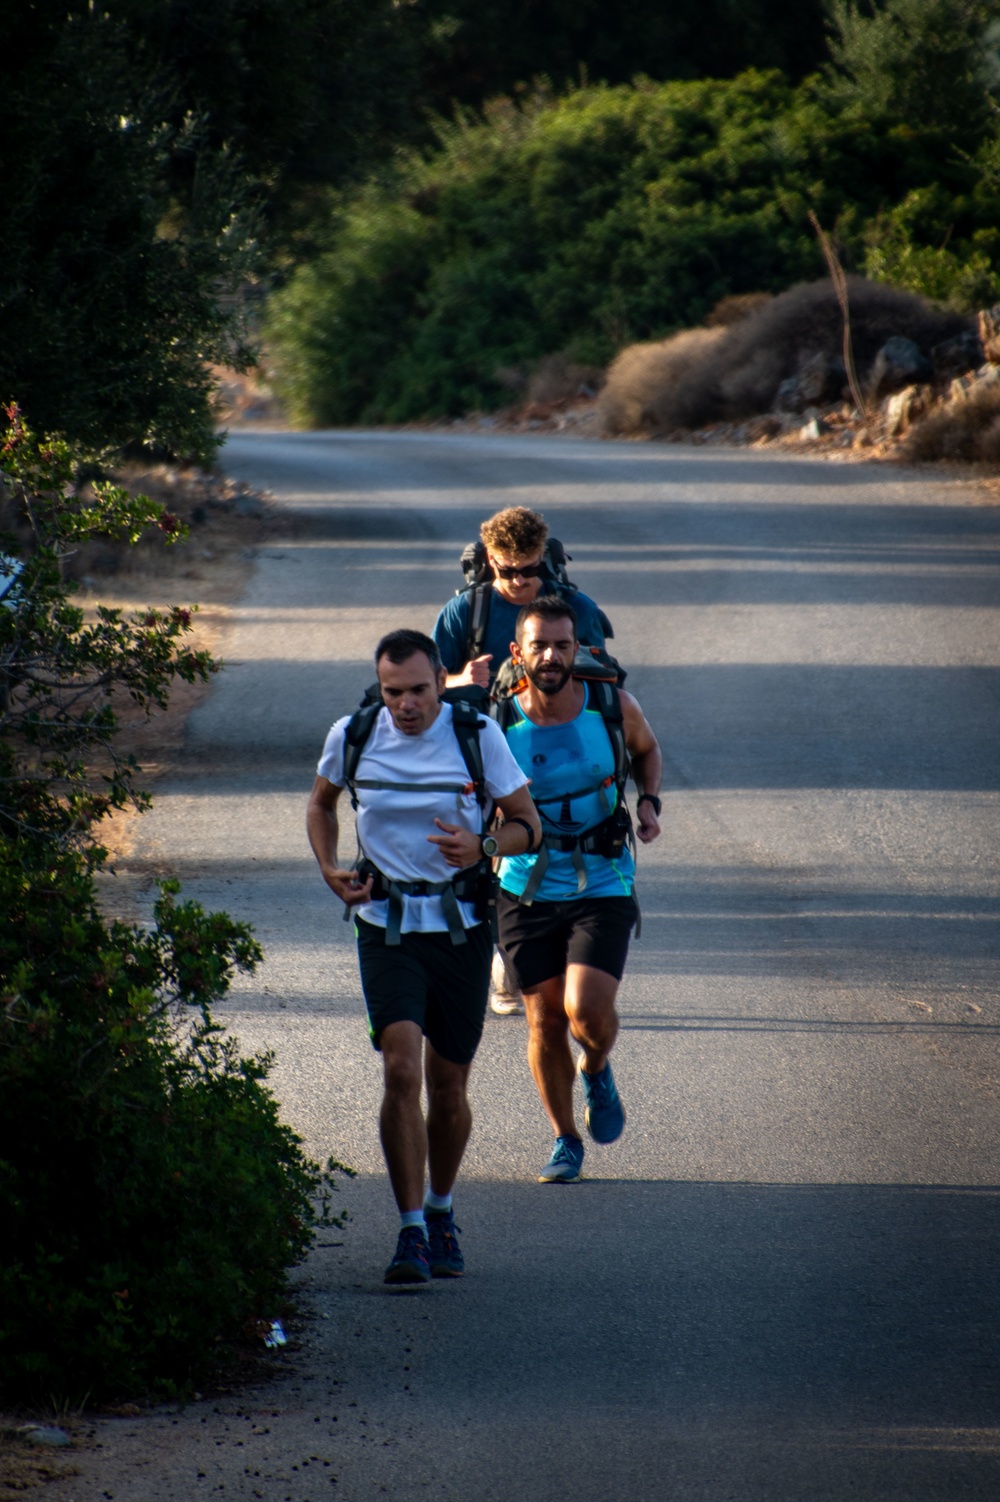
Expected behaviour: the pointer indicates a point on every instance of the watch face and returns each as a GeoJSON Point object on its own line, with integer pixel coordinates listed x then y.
{"type": "Point", "coordinates": [490, 846]}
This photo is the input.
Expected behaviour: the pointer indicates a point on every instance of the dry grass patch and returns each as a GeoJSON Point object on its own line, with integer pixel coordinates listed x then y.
{"type": "Point", "coordinates": [967, 430]}
{"type": "Point", "coordinates": [25, 1467]}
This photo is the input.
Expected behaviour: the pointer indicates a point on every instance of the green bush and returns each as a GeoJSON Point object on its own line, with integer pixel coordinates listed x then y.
{"type": "Point", "coordinates": [150, 1197]}
{"type": "Point", "coordinates": [912, 247]}
{"type": "Point", "coordinates": [584, 223]}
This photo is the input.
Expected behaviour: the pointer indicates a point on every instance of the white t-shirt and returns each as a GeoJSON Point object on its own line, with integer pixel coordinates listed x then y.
{"type": "Point", "coordinates": [393, 826]}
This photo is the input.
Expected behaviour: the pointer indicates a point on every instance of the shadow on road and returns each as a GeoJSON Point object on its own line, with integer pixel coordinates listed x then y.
{"type": "Point", "coordinates": [706, 1341]}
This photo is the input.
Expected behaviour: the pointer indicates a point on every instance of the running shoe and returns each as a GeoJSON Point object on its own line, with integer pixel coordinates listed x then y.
{"type": "Point", "coordinates": [565, 1163]}
{"type": "Point", "coordinates": [411, 1263]}
{"type": "Point", "coordinates": [504, 1001]}
{"type": "Point", "coordinates": [605, 1114]}
{"type": "Point", "coordinates": [446, 1255]}
{"type": "Point", "coordinates": [506, 1004]}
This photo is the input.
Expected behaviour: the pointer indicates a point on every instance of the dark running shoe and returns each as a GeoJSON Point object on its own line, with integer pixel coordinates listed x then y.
{"type": "Point", "coordinates": [565, 1163]}
{"type": "Point", "coordinates": [446, 1255]}
{"type": "Point", "coordinates": [411, 1263]}
{"type": "Point", "coordinates": [605, 1114]}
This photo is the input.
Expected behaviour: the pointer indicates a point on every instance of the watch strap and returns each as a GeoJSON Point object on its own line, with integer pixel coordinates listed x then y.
{"type": "Point", "coordinates": [526, 826]}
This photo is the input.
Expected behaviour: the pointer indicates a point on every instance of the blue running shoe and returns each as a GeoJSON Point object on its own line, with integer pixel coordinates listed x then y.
{"type": "Point", "coordinates": [605, 1114]}
{"type": "Point", "coordinates": [565, 1163]}
{"type": "Point", "coordinates": [411, 1263]}
{"type": "Point", "coordinates": [446, 1258]}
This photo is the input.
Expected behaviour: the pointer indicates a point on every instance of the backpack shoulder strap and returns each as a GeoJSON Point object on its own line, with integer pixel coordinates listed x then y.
{"type": "Point", "coordinates": [604, 694]}
{"type": "Point", "coordinates": [506, 711]}
{"type": "Point", "coordinates": [359, 729]}
{"type": "Point", "coordinates": [564, 588]}
{"type": "Point", "coordinates": [480, 596]}
{"type": "Point", "coordinates": [466, 724]}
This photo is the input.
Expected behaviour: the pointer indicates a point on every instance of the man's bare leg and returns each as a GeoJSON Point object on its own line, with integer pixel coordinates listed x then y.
{"type": "Point", "coordinates": [590, 1007]}
{"type": "Point", "coordinates": [449, 1119]}
{"type": "Point", "coordinates": [549, 1057]}
{"type": "Point", "coordinates": [401, 1120]}
{"type": "Point", "coordinates": [582, 1003]}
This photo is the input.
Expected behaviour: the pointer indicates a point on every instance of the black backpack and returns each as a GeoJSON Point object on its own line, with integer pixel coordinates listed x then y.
{"type": "Point", "coordinates": [478, 586]}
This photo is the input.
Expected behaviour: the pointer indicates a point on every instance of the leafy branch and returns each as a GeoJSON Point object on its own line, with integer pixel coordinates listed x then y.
{"type": "Point", "coordinates": [61, 674]}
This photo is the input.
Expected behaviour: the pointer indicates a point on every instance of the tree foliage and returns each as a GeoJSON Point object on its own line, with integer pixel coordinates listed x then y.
{"type": "Point", "coordinates": [587, 221]}
{"type": "Point", "coordinates": [112, 284]}
{"type": "Point", "coordinates": [147, 147]}
{"type": "Point", "coordinates": [151, 1198]}
{"type": "Point", "coordinates": [63, 675]}
{"type": "Point", "coordinates": [917, 61]}
{"type": "Point", "coordinates": [475, 52]}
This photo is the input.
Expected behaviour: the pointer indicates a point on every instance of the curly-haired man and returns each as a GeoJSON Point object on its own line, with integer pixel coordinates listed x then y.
{"type": "Point", "coordinates": [515, 541]}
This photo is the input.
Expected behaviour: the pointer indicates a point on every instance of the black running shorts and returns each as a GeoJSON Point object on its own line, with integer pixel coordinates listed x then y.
{"type": "Point", "coordinates": [427, 979]}
{"type": "Point", "coordinates": [541, 940]}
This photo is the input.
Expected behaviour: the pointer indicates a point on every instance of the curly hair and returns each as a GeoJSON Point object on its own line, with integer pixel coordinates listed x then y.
{"type": "Point", "coordinates": [515, 532]}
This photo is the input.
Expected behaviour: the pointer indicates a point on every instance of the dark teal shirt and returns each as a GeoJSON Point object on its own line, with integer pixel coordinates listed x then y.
{"type": "Point", "coordinates": [452, 627]}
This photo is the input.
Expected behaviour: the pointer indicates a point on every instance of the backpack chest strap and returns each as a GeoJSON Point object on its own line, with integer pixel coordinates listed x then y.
{"type": "Point", "coordinates": [460, 789]}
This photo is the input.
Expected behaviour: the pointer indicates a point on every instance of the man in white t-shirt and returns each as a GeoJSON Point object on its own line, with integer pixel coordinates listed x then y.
{"type": "Point", "coordinates": [423, 786]}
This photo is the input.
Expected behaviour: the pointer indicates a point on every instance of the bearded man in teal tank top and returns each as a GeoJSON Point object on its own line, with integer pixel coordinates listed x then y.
{"type": "Point", "coordinates": [566, 910]}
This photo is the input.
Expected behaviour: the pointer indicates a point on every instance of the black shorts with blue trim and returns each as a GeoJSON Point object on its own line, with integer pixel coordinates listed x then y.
{"type": "Point", "coordinates": [427, 979]}
{"type": "Point", "coordinates": [540, 940]}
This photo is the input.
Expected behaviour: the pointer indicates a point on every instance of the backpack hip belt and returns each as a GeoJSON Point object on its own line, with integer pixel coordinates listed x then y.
{"type": "Point", "coordinates": [464, 886]}
{"type": "Point", "coordinates": [609, 838]}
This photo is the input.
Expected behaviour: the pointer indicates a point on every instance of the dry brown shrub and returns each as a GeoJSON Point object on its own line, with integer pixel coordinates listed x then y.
{"type": "Point", "coordinates": [730, 372]}
{"type": "Point", "coordinates": [967, 431]}
{"type": "Point", "coordinates": [730, 310]}
{"type": "Point", "coordinates": [511, 378]}
{"type": "Point", "coordinates": [557, 378]}
{"type": "Point", "coordinates": [645, 387]}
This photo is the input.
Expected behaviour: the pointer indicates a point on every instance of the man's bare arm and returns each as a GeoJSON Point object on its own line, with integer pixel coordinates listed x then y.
{"type": "Point", "coordinates": [461, 847]}
{"type": "Point", "coordinates": [323, 830]}
{"type": "Point", "coordinates": [518, 805]}
{"type": "Point", "coordinates": [647, 765]}
{"type": "Point", "coordinates": [475, 674]}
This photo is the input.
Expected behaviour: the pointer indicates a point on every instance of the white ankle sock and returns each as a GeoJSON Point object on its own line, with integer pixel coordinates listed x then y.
{"type": "Point", "coordinates": [438, 1202]}
{"type": "Point", "coordinates": [413, 1218]}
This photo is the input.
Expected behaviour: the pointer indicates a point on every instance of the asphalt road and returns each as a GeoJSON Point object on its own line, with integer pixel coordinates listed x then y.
{"type": "Point", "coordinates": [781, 1282]}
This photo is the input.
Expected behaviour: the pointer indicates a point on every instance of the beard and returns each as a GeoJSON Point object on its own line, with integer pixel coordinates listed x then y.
{"type": "Point", "coordinates": [550, 684]}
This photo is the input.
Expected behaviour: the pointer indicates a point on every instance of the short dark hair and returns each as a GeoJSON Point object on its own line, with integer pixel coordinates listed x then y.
{"type": "Point", "coordinates": [546, 608]}
{"type": "Point", "coordinates": [400, 646]}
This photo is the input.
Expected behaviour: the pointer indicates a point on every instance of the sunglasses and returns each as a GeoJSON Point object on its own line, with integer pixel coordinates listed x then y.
{"type": "Point", "coordinates": [522, 571]}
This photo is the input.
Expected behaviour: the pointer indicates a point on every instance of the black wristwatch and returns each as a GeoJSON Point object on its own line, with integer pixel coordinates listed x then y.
{"type": "Point", "coordinates": [488, 845]}
{"type": "Point", "coordinates": [650, 798]}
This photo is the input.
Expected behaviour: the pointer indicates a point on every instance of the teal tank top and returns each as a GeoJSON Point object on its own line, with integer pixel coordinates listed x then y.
{"type": "Point", "coordinates": [567, 765]}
